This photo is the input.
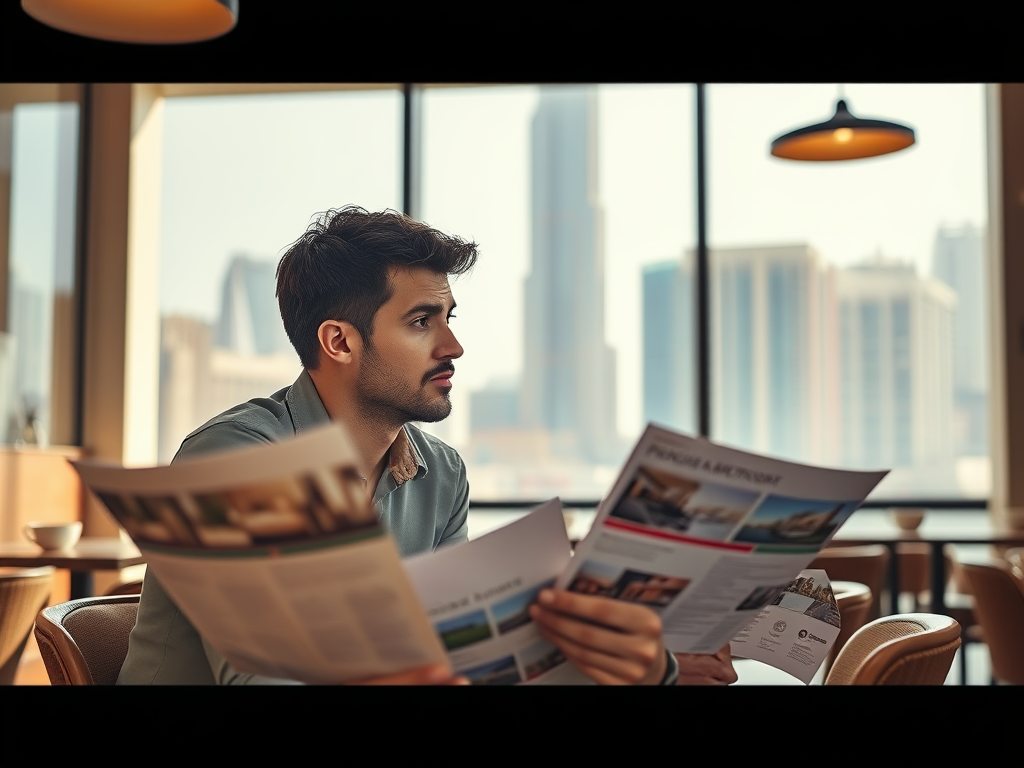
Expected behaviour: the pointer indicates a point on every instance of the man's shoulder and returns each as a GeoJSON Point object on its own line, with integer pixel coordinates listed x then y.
{"type": "Point", "coordinates": [260, 420]}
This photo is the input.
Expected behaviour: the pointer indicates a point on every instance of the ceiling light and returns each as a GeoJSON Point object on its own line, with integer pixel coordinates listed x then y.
{"type": "Point", "coordinates": [843, 137]}
{"type": "Point", "coordinates": [138, 21]}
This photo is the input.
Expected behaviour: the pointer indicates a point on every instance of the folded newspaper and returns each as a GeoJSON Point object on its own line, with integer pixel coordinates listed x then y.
{"type": "Point", "coordinates": [276, 556]}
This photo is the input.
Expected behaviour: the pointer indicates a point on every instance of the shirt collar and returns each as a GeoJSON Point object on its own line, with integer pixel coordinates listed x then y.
{"type": "Point", "coordinates": [404, 460]}
{"type": "Point", "coordinates": [307, 411]}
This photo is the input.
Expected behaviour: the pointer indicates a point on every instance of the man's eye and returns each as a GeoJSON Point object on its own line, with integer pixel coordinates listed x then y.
{"type": "Point", "coordinates": [451, 317]}
{"type": "Point", "coordinates": [420, 322]}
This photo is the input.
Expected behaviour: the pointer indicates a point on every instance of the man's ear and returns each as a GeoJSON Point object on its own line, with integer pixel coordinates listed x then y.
{"type": "Point", "coordinates": [339, 341]}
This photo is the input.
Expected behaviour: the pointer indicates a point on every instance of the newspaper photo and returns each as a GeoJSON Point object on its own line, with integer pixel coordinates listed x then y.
{"type": "Point", "coordinates": [276, 556]}
{"type": "Point", "coordinates": [709, 536]}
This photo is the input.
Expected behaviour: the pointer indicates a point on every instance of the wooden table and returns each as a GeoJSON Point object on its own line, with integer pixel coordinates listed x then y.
{"type": "Point", "coordinates": [940, 527]}
{"type": "Point", "coordinates": [89, 555]}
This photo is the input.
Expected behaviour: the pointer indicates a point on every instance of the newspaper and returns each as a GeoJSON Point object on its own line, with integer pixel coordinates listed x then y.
{"type": "Point", "coordinates": [709, 536]}
{"type": "Point", "coordinates": [277, 558]}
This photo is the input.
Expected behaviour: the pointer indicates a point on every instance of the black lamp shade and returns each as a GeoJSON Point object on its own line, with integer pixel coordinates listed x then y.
{"type": "Point", "coordinates": [843, 137]}
{"type": "Point", "coordinates": [138, 21]}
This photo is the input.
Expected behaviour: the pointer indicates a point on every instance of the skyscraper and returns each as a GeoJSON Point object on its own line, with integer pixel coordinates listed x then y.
{"type": "Point", "coordinates": [773, 345]}
{"type": "Point", "coordinates": [249, 321]}
{"type": "Point", "coordinates": [569, 386]}
{"type": "Point", "coordinates": [896, 368]}
{"type": "Point", "coordinates": [669, 375]}
{"type": "Point", "coordinates": [772, 334]}
{"type": "Point", "coordinates": [206, 369]}
{"type": "Point", "coordinates": [959, 261]}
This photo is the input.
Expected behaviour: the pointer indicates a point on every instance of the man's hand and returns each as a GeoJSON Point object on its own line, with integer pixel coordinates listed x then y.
{"type": "Point", "coordinates": [706, 668]}
{"type": "Point", "coordinates": [431, 674]}
{"type": "Point", "coordinates": [612, 642]}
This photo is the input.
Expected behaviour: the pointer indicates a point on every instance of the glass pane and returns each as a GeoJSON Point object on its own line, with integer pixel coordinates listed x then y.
{"type": "Point", "coordinates": [582, 201]}
{"type": "Point", "coordinates": [242, 177]}
{"type": "Point", "coordinates": [38, 300]}
{"type": "Point", "coordinates": [848, 297]}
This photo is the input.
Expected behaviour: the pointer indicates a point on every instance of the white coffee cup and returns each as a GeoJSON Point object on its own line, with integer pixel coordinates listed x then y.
{"type": "Point", "coordinates": [54, 535]}
{"type": "Point", "coordinates": [908, 518]}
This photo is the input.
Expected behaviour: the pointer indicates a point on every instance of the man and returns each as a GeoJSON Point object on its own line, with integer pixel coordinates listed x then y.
{"type": "Point", "coordinates": [366, 302]}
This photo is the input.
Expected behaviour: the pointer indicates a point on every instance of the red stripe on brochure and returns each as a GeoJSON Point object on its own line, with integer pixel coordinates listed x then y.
{"type": "Point", "coordinates": [659, 534]}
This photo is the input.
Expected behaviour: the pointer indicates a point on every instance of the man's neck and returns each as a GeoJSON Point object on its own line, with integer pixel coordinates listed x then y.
{"type": "Point", "coordinates": [372, 440]}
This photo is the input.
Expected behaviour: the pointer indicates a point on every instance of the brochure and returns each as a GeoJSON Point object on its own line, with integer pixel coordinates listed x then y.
{"type": "Point", "coordinates": [796, 631]}
{"type": "Point", "coordinates": [708, 536]}
{"type": "Point", "coordinates": [478, 596]}
{"type": "Point", "coordinates": [276, 556]}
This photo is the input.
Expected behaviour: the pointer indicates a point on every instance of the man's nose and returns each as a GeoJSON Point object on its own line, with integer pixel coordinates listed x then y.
{"type": "Point", "coordinates": [450, 346]}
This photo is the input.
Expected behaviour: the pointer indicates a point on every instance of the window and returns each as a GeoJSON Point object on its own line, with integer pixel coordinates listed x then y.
{"type": "Point", "coordinates": [39, 284]}
{"type": "Point", "coordinates": [241, 177]}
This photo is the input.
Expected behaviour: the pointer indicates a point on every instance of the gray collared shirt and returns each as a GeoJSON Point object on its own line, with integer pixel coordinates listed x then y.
{"type": "Point", "coordinates": [423, 501]}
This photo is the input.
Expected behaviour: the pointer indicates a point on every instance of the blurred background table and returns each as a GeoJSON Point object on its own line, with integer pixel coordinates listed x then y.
{"type": "Point", "coordinates": [82, 560]}
{"type": "Point", "coordinates": [970, 527]}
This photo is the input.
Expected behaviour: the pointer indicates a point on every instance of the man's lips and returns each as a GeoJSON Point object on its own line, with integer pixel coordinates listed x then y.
{"type": "Point", "coordinates": [442, 374]}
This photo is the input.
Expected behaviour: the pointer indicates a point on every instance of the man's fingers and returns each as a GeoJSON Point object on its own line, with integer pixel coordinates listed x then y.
{"type": "Point", "coordinates": [598, 638]}
{"type": "Point", "coordinates": [617, 614]}
{"type": "Point", "coordinates": [595, 664]}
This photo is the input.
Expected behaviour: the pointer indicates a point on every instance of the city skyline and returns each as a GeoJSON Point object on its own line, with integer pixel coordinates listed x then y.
{"type": "Point", "coordinates": [475, 182]}
{"type": "Point", "coordinates": [836, 393]}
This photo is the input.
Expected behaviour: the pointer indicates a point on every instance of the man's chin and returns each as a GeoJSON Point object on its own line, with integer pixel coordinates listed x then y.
{"type": "Point", "coordinates": [434, 413]}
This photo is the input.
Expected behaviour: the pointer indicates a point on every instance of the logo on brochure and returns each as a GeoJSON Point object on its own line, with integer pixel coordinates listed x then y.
{"type": "Point", "coordinates": [779, 627]}
{"type": "Point", "coordinates": [802, 634]}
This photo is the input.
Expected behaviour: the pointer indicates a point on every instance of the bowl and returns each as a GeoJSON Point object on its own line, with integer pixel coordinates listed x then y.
{"type": "Point", "coordinates": [907, 518]}
{"type": "Point", "coordinates": [54, 535]}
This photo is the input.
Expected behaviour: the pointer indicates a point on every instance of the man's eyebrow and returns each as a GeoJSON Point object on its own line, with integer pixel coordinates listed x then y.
{"type": "Point", "coordinates": [427, 308]}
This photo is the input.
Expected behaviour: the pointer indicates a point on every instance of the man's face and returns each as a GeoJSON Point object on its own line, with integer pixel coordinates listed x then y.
{"type": "Point", "coordinates": [406, 367]}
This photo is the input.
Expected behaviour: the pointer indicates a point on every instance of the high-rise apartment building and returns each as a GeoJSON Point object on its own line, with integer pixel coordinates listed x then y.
{"type": "Point", "coordinates": [569, 385]}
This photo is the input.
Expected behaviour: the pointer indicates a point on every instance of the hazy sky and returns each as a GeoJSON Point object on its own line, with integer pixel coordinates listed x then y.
{"type": "Point", "coordinates": [244, 174]}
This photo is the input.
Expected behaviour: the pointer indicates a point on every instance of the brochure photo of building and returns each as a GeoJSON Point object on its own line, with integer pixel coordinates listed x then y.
{"type": "Point", "coordinates": [812, 597]}
{"type": "Point", "coordinates": [670, 502]}
{"type": "Point", "coordinates": [785, 520]}
{"type": "Point", "coordinates": [514, 611]}
{"type": "Point", "coordinates": [538, 658]}
{"type": "Point", "coordinates": [286, 510]}
{"type": "Point", "coordinates": [655, 590]}
{"type": "Point", "coordinates": [503, 671]}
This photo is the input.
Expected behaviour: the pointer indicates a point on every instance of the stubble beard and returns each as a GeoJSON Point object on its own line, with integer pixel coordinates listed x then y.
{"type": "Point", "coordinates": [382, 399]}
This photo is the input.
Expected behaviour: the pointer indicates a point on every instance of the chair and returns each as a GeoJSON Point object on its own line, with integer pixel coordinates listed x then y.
{"type": "Point", "coordinates": [854, 603]}
{"type": "Point", "coordinates": [85, 641]}
{"type": "Point", "coordinates": [132, 587]}
{"type": "Point", "coordinates": [902, 649]}
{"type": "Point", "coordinates": [866, 564]}
{"type": "Point", "coordinates": [23, 593]}
{"type": "Point", "coordinates": [999, 607]}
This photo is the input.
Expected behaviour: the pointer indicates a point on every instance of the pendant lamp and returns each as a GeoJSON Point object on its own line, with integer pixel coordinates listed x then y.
{"type": "Point", "coordinates": [138, 21]}
{"type": "Point", "coordinates": [843, 137]}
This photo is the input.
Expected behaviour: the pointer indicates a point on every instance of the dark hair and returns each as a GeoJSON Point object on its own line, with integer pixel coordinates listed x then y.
{"type": "Point", "coordinates": [338, 270]}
